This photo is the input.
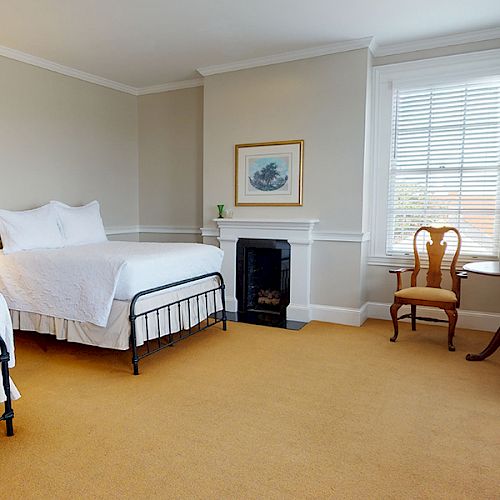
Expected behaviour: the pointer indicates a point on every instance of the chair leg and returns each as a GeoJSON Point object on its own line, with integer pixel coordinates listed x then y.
{"type": "Point", "coordinates": [452, 321]}
{"type": "Point", "coordinates": [413, 317]}
{"type": "Point", "coordinates": [394, 314]}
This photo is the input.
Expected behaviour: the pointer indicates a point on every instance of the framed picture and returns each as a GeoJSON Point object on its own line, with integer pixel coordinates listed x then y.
{"type": "Point", "coordinates": [269, 173]}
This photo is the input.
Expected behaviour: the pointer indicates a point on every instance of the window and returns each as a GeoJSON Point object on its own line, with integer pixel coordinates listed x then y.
{"type": "Point", "coordinates": [440, 160]}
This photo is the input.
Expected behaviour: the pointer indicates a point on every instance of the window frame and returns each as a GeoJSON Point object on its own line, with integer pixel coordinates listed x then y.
{"type": "Point", "coordinates": [440, 70]}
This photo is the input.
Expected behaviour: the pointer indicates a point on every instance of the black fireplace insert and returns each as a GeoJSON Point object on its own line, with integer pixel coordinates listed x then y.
{"type": "Point", "coordinates": [263, 281]}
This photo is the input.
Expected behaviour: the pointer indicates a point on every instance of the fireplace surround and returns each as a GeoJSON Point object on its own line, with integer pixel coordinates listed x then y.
{"type": "Point", "coordinates": [296, 232]}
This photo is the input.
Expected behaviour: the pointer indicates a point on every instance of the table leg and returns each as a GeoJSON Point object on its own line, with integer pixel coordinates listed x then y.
{"type": "Point", "coordinates": [488, 350]}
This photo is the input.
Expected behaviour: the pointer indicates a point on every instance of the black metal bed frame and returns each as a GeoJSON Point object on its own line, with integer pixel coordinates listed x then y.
{"type": "Point", "coordinates": [8, 414]}
{"type": "Point", "coordinates": [185, 331]}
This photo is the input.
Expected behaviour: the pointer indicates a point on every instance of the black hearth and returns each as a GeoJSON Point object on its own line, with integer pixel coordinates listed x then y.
{"type": "Point", "coordinates": [263, 281]}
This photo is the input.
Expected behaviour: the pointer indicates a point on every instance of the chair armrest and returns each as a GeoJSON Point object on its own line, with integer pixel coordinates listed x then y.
{"type": "Point", "coordinates": [461, 275]}
{"type": "Point", "coordinates": [398, 272]}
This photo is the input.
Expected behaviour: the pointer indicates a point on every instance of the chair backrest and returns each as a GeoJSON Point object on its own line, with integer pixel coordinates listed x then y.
{"type": "Point", "coordinates": [436, 249]}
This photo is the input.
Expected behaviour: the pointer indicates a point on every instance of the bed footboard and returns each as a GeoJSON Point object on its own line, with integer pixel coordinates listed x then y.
{"type": "Point", "coordinates": [8, 414]}
{"type": "Point", "coordinates": [193, 307]}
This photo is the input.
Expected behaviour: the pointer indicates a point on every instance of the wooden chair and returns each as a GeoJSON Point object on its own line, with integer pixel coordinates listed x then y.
{"type": "Point", "coordinates": [432, 294]}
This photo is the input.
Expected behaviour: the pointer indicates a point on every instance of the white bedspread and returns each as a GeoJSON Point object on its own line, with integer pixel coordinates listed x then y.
{"type": "Point", "coordinates": [79, 283]}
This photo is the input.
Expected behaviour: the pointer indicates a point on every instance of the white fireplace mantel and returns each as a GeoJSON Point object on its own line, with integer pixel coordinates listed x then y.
{"type": "Point", "coordinates": [298, 232]}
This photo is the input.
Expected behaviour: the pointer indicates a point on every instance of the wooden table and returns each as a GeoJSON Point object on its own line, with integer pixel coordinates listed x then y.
{"type": "Point", "coordinates": [490, 268]}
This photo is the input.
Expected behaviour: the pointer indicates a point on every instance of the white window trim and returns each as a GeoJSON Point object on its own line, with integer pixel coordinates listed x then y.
{"type": "Point", "coordinates": [444, 70]}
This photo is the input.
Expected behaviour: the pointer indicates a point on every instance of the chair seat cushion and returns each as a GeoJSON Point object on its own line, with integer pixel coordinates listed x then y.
{"type": "Point", "coordinates": [426, 293]}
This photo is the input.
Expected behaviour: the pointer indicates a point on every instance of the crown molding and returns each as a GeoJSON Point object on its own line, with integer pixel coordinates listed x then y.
{"type": "Point", "coordinates": [167, 87]}
{"type": "Point", "coordinates": [39, 62]}
{"type": "Point", "coordinates": [343, 46]}
{"type": "Point", "coordinates": [17, 55]}
{"type": "Point", "coordinates": [435, 43]}
{"type": "Point", "coordinates": [295, 55]}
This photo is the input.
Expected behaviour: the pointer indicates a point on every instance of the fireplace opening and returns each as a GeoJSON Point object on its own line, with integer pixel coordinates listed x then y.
{"type": "Point", "coordinates": [263, 281]}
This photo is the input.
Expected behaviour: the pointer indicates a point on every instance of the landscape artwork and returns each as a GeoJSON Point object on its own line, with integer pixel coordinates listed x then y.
{"type": "Point", "coordinates": [269, 173]}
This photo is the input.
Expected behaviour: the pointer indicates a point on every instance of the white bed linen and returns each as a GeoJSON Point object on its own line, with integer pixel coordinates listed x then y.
{"type": "Point", "coordinates": [116, 335]}
{"type": "Point", "coordinates": [80, 283]}
{"type": "Point", "coordinates": [7, 335]}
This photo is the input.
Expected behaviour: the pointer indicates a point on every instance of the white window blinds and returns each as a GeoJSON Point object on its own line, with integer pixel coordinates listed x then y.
{"type": "Point", "coordinates": [445, 165]}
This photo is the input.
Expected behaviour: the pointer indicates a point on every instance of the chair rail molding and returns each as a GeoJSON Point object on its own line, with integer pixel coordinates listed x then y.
{"type": "Point", "coordinates": [152, 229]}
{"type": "Point", "coordinates": [335, 236]}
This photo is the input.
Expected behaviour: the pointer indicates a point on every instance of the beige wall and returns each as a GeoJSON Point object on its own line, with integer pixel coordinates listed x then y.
{"type": "Point", "coordinates": [62, 138]}
{"type": "Point", "coordinates": [71, 140]}
{"type": "Point", "coordinates": [170, 237]}
{"type": "Point", "coordinates": [320, 100]}
{"type": "Point", "coordinates": [171, 158]}
{"type": "Point", "coordinates": [324, 101]}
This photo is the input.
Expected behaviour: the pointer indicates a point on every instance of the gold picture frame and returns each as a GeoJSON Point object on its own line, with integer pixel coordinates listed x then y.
{"type": "Point", "coordinates": [269, 174]}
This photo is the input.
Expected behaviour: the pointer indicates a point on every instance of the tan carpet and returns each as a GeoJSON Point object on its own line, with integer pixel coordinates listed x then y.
{"type": "Point", "coordinates": [327, 412]}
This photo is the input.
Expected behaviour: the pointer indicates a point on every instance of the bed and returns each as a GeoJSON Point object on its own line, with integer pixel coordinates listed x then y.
{"type": "Point", "coordinates": [6, 397]}
{"type": "Point", "coordinates": [8, 390]}
{"type": "Point", "coordinates": [118, 295]}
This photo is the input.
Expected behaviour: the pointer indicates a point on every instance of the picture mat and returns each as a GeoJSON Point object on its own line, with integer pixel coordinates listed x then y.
{"type": "Point", "coordinates": [251, 196]}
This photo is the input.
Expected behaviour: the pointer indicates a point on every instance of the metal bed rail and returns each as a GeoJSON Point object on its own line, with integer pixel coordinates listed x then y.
{"type": "Point", "coordinates": [167, 338]}
{"type": "Point", "coordinates": [8, 414]}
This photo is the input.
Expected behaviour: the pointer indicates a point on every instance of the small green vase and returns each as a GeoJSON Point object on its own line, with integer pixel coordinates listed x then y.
{"type": "Point", "coordinates": [220, 208]}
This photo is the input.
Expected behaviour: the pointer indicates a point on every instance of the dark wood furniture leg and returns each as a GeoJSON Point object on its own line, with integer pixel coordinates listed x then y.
{"type": "Point", "coordinates": [452, 319]}
{"type": "Point", "coordinates": [488, 350]}
{"type": "Point", "coordinates": [394, 314]}
{"type": "Point", "coordinates": [413, 317]}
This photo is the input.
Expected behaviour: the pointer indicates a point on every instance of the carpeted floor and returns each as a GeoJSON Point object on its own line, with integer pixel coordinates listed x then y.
{"type": "Point", "coordinates": [326, 412]}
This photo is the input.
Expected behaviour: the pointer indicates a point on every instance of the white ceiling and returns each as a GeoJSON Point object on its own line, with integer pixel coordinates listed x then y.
{"type": "Point", "coordinates": [142, 43]}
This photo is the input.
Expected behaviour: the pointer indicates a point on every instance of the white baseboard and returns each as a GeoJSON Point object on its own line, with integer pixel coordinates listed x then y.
{"type": "Point", "coordinates": [473, 320]}
{"type": "Point", "coordinates": [231, 304]}
{"type": "Point", "coordinates": [342, 315]}
{"type": "Point", "coordinates": [296, 312]}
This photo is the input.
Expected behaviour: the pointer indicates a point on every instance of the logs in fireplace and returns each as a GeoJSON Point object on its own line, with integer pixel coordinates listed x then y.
{"type": "Point", "coordinates": [263, 281]}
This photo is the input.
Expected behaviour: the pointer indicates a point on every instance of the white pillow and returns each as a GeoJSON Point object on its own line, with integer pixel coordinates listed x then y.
{"type": "Point", "coordinates": [80, 225]}
{"type": "Point", "coordinates": [30, 229]}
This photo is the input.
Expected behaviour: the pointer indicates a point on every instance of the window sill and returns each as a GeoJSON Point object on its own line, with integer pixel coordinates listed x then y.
{"type": "Point", "coordinates": [402, 261]}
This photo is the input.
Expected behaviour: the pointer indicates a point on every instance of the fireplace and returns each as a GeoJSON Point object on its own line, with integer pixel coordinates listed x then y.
{"type": "Point", "coordinates": [297, 232]}
{"type": "Point", "coordinates": [263, 280]}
